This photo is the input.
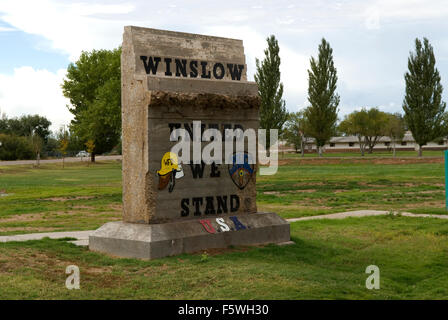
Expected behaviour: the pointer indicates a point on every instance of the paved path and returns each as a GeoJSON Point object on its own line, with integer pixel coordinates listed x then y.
{"type": "Point", "coordinates": [365, 213]}
{"type": "Point", "coordinates": [70, 159]}
{"type": "Point", "coordinates": [82, 237]}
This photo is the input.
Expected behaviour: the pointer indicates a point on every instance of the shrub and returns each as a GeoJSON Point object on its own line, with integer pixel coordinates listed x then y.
{"type": "Point", "coordinates": [14, 147]}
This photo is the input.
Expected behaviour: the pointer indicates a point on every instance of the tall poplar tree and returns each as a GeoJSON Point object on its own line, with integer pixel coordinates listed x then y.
{"type": "Point", "coordinates": [273, 113]}
{"type": "Point", "coordinates": [322, 114]}
{"type": "Point", "coordinates": [423, 105]}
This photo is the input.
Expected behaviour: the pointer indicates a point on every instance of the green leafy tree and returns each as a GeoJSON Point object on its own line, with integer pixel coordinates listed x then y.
{"type": "Point", "coordinates": [37, 143]}
{"type": "Point", "coordinates": [354, 124]}
{"type": "Point", "coordinates": [51, 147]}
{"type": "Point", "coordinates": [26, 126]}
{"type": "Point", "coordinates": [322, 114]}
{"type": "Point", "coordinates": [367, 125]}
{"type": "Point", "coordinates": [94, 89]}
{"type": "Point", "coordinates": [63, 141]}
{"type": "Point", "coordinates": [395, 129]}
{"type": "Point", "coordinates": [35, 128]}
{"type": "Point", "coordinates": [36, 125]}
{"type": "Point", "coordinates": [273, 113]}
{"type": "Point", "coordinates": [13, 147]}
{"type": "Point", "coordinates": [294, 131]}
{"type": "Point", "coordinates": [376, 127]}
{"type": "Point", "coordinates": [90, 145]}
{"type": "Point", "coordinates": [423, 105]}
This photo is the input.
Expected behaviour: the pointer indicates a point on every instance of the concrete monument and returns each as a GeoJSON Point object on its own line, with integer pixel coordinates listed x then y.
{"type": "Point", "coordinates": [170, 81]}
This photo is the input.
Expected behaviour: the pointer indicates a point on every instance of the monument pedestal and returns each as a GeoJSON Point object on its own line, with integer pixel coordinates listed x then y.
{"type": "Point", "coordinates": [151, 241]}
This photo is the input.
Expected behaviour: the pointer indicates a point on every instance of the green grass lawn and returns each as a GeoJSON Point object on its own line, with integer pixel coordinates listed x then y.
{"type": "Point", "coordinates": [78, 197]}
{"type": "Point", "coordinates": [356, 153]}
{"type": "Point", "coordinates": [302, 188]}
{"type": "Point", "coordinates": [50, 198]}
{"type": "Point", "coordinates": [328, 259]}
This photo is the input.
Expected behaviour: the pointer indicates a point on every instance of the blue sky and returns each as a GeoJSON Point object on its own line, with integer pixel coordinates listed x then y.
{"type": "Point", "coordinates": [371, 42]}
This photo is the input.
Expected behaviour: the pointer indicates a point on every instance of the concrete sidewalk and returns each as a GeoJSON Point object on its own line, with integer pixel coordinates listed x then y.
{"type": "Point", "coordinates": [82, 237]}
{"type": "Point", "coordinates": [365, 213]}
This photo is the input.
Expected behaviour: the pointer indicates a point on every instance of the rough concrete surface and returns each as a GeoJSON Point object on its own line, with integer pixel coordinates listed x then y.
{"type": "Point", "coordinates": [78, 235]}
{"type": "Point", "coordinates": [150, 102]}
{"type": "Point", "coordinates": [173, 80]}
{"type": "Point", "coordinates": [150, 241]}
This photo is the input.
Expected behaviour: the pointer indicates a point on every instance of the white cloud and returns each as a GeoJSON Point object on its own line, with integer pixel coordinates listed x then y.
{"type": "Point", "coordinates": [294, 76]}
{"type": "Point", "coordinates": [70, 28]}
{"type": "Point", "coordinates": [368, 37]}
{"type": "Point", "coordinates": [31, 91]}
{"type": "Point", "coordinates": [412, 9]}
{"type": "Point", "coordinates": [372, 21]}
{"type": "Point", "coordinates": [6, 29]}
{"type": "Point", "coordinates": [293, 66]}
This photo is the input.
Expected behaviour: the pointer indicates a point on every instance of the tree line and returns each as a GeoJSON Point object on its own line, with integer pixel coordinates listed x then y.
{"type": "Point", "coordinates": [93, 88]}
{"type": "Point", "coordinates": [424, 111]}
{"type": "Point", "coordinates": [25, 137]}
{"type": "Point", "coordinates": [29, 137]}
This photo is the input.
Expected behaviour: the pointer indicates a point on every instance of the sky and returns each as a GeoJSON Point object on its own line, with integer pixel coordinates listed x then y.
{"type": "Point", "coordinates": [371, 41]}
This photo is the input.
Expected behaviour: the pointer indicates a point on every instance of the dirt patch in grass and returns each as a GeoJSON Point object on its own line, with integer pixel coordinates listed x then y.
{"type": "Point", "coordinates": [278, 193]}
{"type": "Point", "coordinates": [51, 215]}
{"type": "Point", "coordinates": [117, 207]}
{"type": "Point", "coordinates": [69, 198]}
{"type": "Point", "coordinates": [407, 161]}
{"type": "Point", "coordinates": [32, 229]}
{"type": "Point", "coordinates": [218, 251]}
{"type": "Point", "coordinates": [425, 204]}
{"type": "Point", "coordinates": [302, 191]}
{"type": "Point", "coordinates": [47, 266]}
{"type": "Point", "coordinates": [351, 160]}
{"type": "Point", "coordinates": [82, 207]}
{"type": "Point", "coordinates": [272, 192]}
{"type": "Point", "coordinates": [271, 207]}
{"type": "Point", "coordinates": [22, 217]}
{"type": "Point", "coordinates": [347, 190]}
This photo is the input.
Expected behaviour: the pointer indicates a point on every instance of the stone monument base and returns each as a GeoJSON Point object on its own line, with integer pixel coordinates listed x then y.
{"type": "Point", "coordinates": [151, 241]}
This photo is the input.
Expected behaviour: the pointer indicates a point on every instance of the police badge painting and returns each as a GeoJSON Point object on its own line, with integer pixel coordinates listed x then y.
{"type": "Point", "coordinates": [170, 170]}
{"type": "Point", "coordinates": [242, 169]}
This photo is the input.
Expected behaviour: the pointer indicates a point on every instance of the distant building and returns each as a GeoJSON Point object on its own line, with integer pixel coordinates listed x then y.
{"type": "Point", "coordinates": [351, 144]}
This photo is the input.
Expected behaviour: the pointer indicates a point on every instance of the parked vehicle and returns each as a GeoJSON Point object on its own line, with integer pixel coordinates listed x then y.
{"type": "Point", "coordinates": [83, 153]}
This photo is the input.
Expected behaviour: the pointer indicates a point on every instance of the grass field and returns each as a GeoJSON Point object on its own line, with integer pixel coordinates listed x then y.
{"type": "Point", "coordinates": [54, 199]}
{"type": "Point", "coordinates": [376, 154]}
{"type": "Point", "coordinates": [304, 187]}
{"type": "Point", "coordinates": [328, 259]}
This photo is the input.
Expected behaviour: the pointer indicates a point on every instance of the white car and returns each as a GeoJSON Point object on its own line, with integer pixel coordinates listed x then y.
{"type": "Point", "coordinates": [83, 154]}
